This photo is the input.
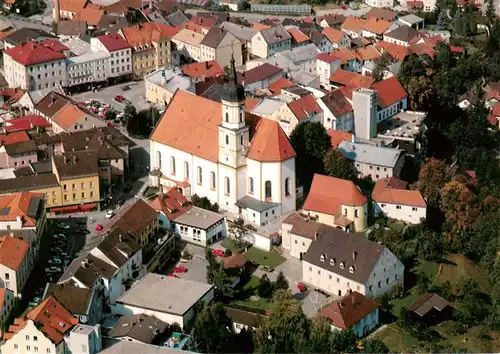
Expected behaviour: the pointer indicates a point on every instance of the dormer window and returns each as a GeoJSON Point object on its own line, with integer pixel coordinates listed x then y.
{"type": "Point", "coordinates": [352, 269]}
{"type": "Point", "coordinates": [322, 258]}
{"type": "Point", "coordinates": [342, 265]}
{"type": "Point", "coordinates": [332, 261]}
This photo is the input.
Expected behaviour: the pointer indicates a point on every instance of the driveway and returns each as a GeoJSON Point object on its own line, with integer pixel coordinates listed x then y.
{"type": "Point", "coordinates": [196, 267]}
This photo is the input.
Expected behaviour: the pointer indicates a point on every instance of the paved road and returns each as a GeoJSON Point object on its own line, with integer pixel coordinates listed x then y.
{"type": "Point", "coordinates": [20, 22]}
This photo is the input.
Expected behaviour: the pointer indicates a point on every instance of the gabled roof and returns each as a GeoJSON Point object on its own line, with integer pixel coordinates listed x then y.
{"type": "Point", "coordinates": [297, 35]}
{"type": "Point", "coordinates": [328, 194]}
{"type": "Point", "coordinates": [177, 18]}
{"type": "Point", "coordinates": [214, 37]}
{"type": "Point", "coordinates": [31, 53]}
{"type": "Point", "coordinates": [349, 310]}
{"type": "Point", "coordinates": [426, 302]}
{"type": "Point", "coordinates": [52, 103]}
{"type": "Point", "coordinates": [73, 164]}
{"type": "Point", "coordinates": [173, 204]}
{"type": "Point", "coordinates": [338, 136]}
{"type": "Point", "coordinates": [389, 91]}
{"type": "Point", "coordinates": [203, 69]}
{"type": "Point", "coordinates": [333, 35]}
{"type": "Point", "coordinates": [382, 14]}
{"type": "Point", "coordinates": [305, 107]}
{"type": "Point", "coordinates": [336, 102]}
{"type": "Point", "coordinates": [304, 226]}
{"type": "Point", "coordinates": [13, 138]}
{"type": "Point", "coordinates": [118, 246]}
{"type": "Point", "coordinates": [403, 33]}
{"type": "Point", "coordinates": [278, 85]}
{"type": "Point", "coordinates": [72, 5]}
{"type": "Point", "coordinates": [68, 116]}
{"type": "Point", "coordinates": [343, 54]}
{"type": "Point", "coordinates": [366, 53]}
{"type": "Point", "coordinates": [275, 35]}
{"type": "Point", "coordinates": [398, 52]}
{"type": "Point", "coordinates": [51, 318]}
{"type": "Point", "coordinates": [376, 26]}
{"type": "Point", "coordinates": [334, 19]}
{"type": "Point", "coordinates": [91, 16]}
{"type": "Point", "coordinates": [26, 34]}
{"type": "Point", "coordinates": [344, 77]}
{"type": "Point", "coordinates": [326, 57]}
{"type": "Point", "coordinates": [75, 299]}
{"type": "Point", "coordinates": [189, 37]}
{"type": "Point", "coordinates": [147, 33]}
{"type": "Point", "coordinates": [141, 327]}
{"type": "Point", "coordinates": [354, 24]}
{"type": "Point", "coordinates": [258, 73]}
{"type": "Point", "coordinates": [12, 252]}
{"type": "Point", "coordinates": [26, 123]}
{"type": "Point", "coordinates": [133, 218]}
{"type": "Point", "coordinates": [391, 192]}
{"type": "Point", "coordinates": [25, 205]}
{"type": "Point", "coordinates": [270, 143]}
{"type": "Point", "coordinates": [113, 42]}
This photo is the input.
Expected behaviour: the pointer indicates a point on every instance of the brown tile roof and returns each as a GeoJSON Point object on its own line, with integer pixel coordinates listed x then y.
{"type": "Point", "coordinates": [173, 204]}
{"type": "Point", "coordinates": [393, 192]}
{"type": "Point", "coordinates": [89, 15]}
{"type": "Point", "coordinates": [24, 147]}
{"type": "Point", "coordinates": [338, 136]}
{"type": "Point", "coordinates": [334, 20]}
{"type": "Point", "coordinates": [349, 310]}
{"type": "Point", "coordinates": [343, 54]}
{"type": "Point", "coordinates": [72, 5]}
{"type": "Point", "coordinates": [270, 143]}
{"type": "Point", "coordinates": [204, 69]}
{"type": "Point", "coordinates": [297, 35]}
{"type": "Point", "coordinates": [337, 103]}
{"type": "Point", "coordinates": [353, 24]}
{"type": "Point", "coordinates": [398, 52]}
{"type": "Point", "coordinates": [214, 37]}
{"type": "Point", "coordinates": [382, 14]}
{"type": "Point", "coordinates": [119, 245]}
{"type": "Point", "coordinates": [236, 260]}
{"type": "Point", "coordinates": [76, 164]}
{"type": "Point", "coordinates": [52, 103]}
{"type": "Point", "coordinates": [75, 299]}
{"type": "Point", "coordinates": [133, 218]}
{"type": "Point", "coordinates": [12, 252]}
{"type": "Point", "coordinates": [304, 226]}
{"type": "Point", "coordinates": [25, 205]}
{"type": "Point", "coordinates": [328, 194]}
{"type": "Point", "coordinates": [403, 33]}
{"type": "Point", "coordinates": [280, 84]}
{"type": "Point", "coordinates": [13, 138]}
{"type": "Point", "coordinates": [345, 78]}
{"type": "Point", "coordinates": [305, 107]}
{"type": "Point", "coordinates": [50, 317]}
{"type": "Point", "coordinates": [333, 35]}
{"type": "Point", "coordinates": [337, 246]}
{"type": "Point", "coordinates": [376, 26]}
{"type": "Point", "coordinates": [367, 53]}
{"type": "Point", "coordinates": [389, 91]}
{"type": "Point", "coordinates": [258, 73]}
{"type": "Point", "coordinates": [27, 183]}
{"type": "Point", "coordinates": [427, 302]}
{"type": "Point", "coordinates": [72, 28]}
{"type": "Point", "coordinates": [140, 327]}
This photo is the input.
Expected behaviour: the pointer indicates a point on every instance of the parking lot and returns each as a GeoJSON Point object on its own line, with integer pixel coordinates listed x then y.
{"type": "Point", "coordinates": [136, 95]}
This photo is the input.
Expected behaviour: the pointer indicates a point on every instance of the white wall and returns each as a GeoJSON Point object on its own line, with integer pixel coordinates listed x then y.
{"type": "Point", "coordinates": [35, 77]}
{"type": "Point", "coordinates": [204, 237]}
{"type": "Point", "coordinates": [259, 241]}
{"type": "Point", "coordinates": [407, 213]}
{"type": "Point", "coordinates": [387, 273]}
{"type": "Point", "coordinates": [30, 340]}
{"type": "Point", "coordinates": [390, 111]}
{"type": "Point", "coordinates": [330, 121]}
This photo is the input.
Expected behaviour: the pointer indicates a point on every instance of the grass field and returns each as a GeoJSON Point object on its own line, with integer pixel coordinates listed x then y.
{"type": "Point", "coordinates": [271, 259]}
{"type": "Point", "coordinates": [249, 290]}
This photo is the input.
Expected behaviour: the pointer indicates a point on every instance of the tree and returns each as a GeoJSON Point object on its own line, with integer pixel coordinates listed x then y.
{"type": "Point", "coordinates": [375, 346]}
{"type": "Point", "coordinates": [443, 21]}
{"type": "Point", "coordinates": [265, 288]}
{"type": "Point", "coordinates": [286, 329]}
{"type": "Point", "coordinates": [412, 66]}
{"type": "Point", "coordinates": [381, 65]}
{"type": "Point", "coordinates": [213, 329]}
{"type": "Point", "coordinates": [281, 283]}
{"type": "Point", "coordinates": [420, 92]}
{"type": "Point", "coordinates": [142, 123]}
{"type": "Point", "coordinates": [217, 276]}
{"type": "Point", "coordinates": [129, 112]}
{"type": "Point", "coordinates": [343, 341]}
{"type": "Point", "coordinates": [336, 165]}
{"type": "Point", "coordinates": [110, 115]}
{"type": "Point", "coordinates": [434, 174]}
{"type": "Point", "coordinates": [237, 228]}
{"type": "Point", "coordinates": [490, 11]}
{"type": "Point", "coordinates": [204, 203]}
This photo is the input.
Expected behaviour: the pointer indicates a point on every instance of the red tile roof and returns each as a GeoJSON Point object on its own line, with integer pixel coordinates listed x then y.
{"type": "Point", "coordinates": [386, 191]}
{"type": "Point", "coordinates": [113, 42]}
{"type": "Point", "coordinates": [270, 143]}
{"type": "Point", "coordinates": [236, 260]}
{"type": "Point", "coordinates": [205, 21]}
{"type": "Point", "coordinates": [54, 45]}
{"type": "Point", "coordinates": [376, 26]}
{"type": "Point", "coordinates": [304, 107]}
{"type": "Point", "coordinates": [147, 33]}
{"type": "Point", "coordinates": [259, 73]}
{"type": "Point", "coordinates": [279, 85]}
{"type": "Point", "coordinates": [353, 24]}
{"type": "Point", "coordinates": [328, 58]}
{"type": "Point", "coordinates": [345, 77]}
{"type": "Point", "coordinates": [415, 4]}
{"type": "Point", "coordinates": [328, 194]}
{"type": "Point", "coordinates": [50, 317]}
{"type": "Point", "coordinates": [17, 205]}
{"type": "Point", "coordinates": [389, 91]}
{"type": "Point", "coordinates": [338, 136]}
{"type": "Point", "coordinates": [333, 35]}
{"type": "Point", "coordinates": [12, 251]}
{"type": "Point", "coordinates": [496, 110]}
{"type": "Point", "coordinates": [26, 123]}
{"type": "Point", "coordinates": [297, 35]}
{"type": "Point", "coordinates": [367, 53]}
{"type": "Point", "coordinates": [72, 5]}
{"type": "Point", "coordinates": [203, 69]}
{"type": "Point", "coordinates": [398, 52]}
{"type": "Point", "coordinates": [349, 310]}
{"type": "Point", "coordinates": [31, 53]}
{"type": "Point", "coordinates": [12, 138]}
{"type": "Point", "coordinates": [173, 204]}
{"type": "Point", "coordinates": [493, 120]}
{"type": "Point", "coordinates": [343, 54]}
{"type": "Point", "coordinates": [91, 16]}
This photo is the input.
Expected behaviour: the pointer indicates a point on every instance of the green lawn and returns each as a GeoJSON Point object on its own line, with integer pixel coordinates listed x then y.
{"type": "Point", "coordinates": [395, 339]}
{"type": "Point", "coordinates": [398, 304]}
{"type": "Point", "coordinates": [248, 290]}
{"type": "Point", "coordinates": [271, 259]}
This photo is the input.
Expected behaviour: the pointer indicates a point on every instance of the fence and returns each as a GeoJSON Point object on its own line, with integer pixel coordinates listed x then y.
{"type": "Point", "coordinates": [281, 9]}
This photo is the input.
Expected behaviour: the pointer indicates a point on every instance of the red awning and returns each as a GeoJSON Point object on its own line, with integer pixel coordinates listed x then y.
{"type": "Point", "coordinates": [66, 209]}
{"type": "Point", "coordinates": [87, 207]}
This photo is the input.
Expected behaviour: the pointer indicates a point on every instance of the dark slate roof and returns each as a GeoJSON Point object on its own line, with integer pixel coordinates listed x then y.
{"type": "Point", "coordinates": [75, 299]}
{"type": "Point", "coordinates": [22, 147]}
{"type": "Point", "coordinates": [254, 204]}
{"type": "Point", "coordinates": [427, 302]}
{"type": "Point", "coordinates": [403, 33]}
{"type": "Point", "coordinates": [276, 34]}
{"type": "Point", "coordinates": [333, 243]}
{"type": "Point", "coordinates": [72, 28]}
{"type": "Point", "coordinates": [177, 18]}
{"type": "Point", "coordinates": [3, 82]}
{"type": "Point", "coordinates": [118, 247]}
{"type": "Point", "coordinates": [76, 164]}
{"type": "Point", "coordinates": [304, 226]}
{"type": "Point", "coordinates": [141, 327]}
{"type": "Point", "coordinates": [213, 37]}
{"type": "Point", "coordinates": [87, 269]}
{"type": "Point", "coordinates": [25, 34]}
{"type": "Point", "coordinates": [52, 103]}
{"type": "Point", "coordinates": [133, 218]}
{"type": "Point", "coordinates": [28, 183]}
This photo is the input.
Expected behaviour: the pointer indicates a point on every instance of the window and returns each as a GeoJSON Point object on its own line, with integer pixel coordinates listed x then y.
{"type": "Point", "coordinates": [91, 194]}
{"type": "Point", "coordinates": [227, 139]}
{"type": "Point", "coordinates": [379, 284]}
{"type": "Point", "coordinates": [35, 349]}
{"type": "Point", "coordinates": [268, 190]}
{"type": "Point", "coordinates": [16, 347]}
{"type": "Point", "coordinates": [186, 170]}
{"type": "Point", "coordinates": [227, 117]}
{"type": "Point", "coordinates": [83, 195]}
{"type": "Point", "coordinates": [212, 180]}
{"type": "Point", "coordinates": [387, 281]}
{"type": "Point", "coordinates": [414, 209]}
{"type": "Point", "coordinates": [296, 242]}
{"type": "Point", "coordinates": [158, 159]}
{"type": "Point", "coordinates": [27, 337]}
{"type": "Point", "coordinates": [172, 165]}
{"type": "Point", "coordinates": [82, 185]}
{"type": "Point", "coordinates": [382, 205]}
{"type": "Point", "coordinates": [7, 277]}
{"type": "Point", "coordinates": [250, 185]}
{"type": "Point", "coordinates": [356, 213]}
{"type": "Point", "coordinates": [310, 269]}
{"type": "Point", "coordinates": [287, 187]}
{"type": "Point", "coordinates": [200, 175]}
{"type": "Point", "coordinates": [398, 206]}
{"type": "Point", "coordinates": [242, 141]}
{"type": "Point", "coordinates": [227, 186]}
{"type": "Point", "coordinates": [28, 348]}
{"type": "Point", "coordinates": [48, 350]}
{"type": "Point", "coordinates": [345, 211]}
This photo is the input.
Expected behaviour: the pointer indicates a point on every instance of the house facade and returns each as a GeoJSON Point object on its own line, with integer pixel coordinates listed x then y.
{"type": "Point", "coordinates": [270, 41]}
{"type": "Point", "coordinates": [119, 51]}
{"type": "Point", "coordinates": [219, 44]}
{"type": "Point", "coordinates": [16, 264]}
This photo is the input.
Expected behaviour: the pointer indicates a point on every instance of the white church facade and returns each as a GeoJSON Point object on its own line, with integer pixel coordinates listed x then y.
{"type": "Point", "coordinates": [244, 163]}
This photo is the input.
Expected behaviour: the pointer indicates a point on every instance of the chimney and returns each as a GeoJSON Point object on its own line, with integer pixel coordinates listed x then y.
{"type": "Point", "coordinates": [74, 159]}
{"type": "Point", "coordinates": [354, 255]}
{"type": "Point", "coordinates": [316, 235]}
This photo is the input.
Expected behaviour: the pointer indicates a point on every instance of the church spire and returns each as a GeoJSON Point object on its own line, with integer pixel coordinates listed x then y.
{"type": "Point", "coordinates": [232, 71]}
{"type": "Point", "coordinates": [232, 91]}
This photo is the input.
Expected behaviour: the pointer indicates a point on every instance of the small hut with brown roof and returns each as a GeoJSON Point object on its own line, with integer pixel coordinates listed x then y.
{"type": "Point", "coordinates": [431, 308]}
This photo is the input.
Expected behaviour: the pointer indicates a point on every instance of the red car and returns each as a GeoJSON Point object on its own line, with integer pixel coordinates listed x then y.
{"type": "Point", "coordinates": [301, 287]}
{"type": "Point", "coordinates": [119, 98]}
{"type": "Point", "coordinates": [218, 252]}
{"type": "Point", "coordinates": [180, 269]}
{"type": "Point", "coordinates": [99, 227]}
{"type": "Point", "coordinates": [110, 124]}
{"type": "Point", "coordinates": [173, 276]}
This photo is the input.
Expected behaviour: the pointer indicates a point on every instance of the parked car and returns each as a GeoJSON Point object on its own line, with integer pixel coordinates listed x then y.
{"type": "Point", "coordinates": [218, 252]}
{"type": "Point", "coordinates": [57, 250]}
{"type": "Point", "coordinates": [55, 261]}
{"type": "Point", "coordinates": [64, 226]}
{"type": "Point", "coordinates": [173, 276]}
{"type": "Point", "coordinates": [126, 88]}
{"type": "Point", "coordinates": [110, 214]}
{"type": "Point", "coordinates": [301, 287]}
{"type": "Point", "coordinates": [99, 227]}
{"type": "Point", "coordinates": [266, 268]}
{"type": "Point", "coordinates": [53, 269]}
{"type": "Point", "coordinates": [119, 98]}
{"type": "Point", "coordinates": [120, 201]}
{"type": "Point", "coordinates": [180, 269]}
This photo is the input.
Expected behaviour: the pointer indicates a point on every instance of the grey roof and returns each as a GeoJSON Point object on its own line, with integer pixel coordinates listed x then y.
{"type": "Point", "coordinates": [5, 24]}
{"type": "Point", "coordinates": [403, 33]}
{"type": "Point", "coordinates": [213, 37]}
{"type": "Point", "coordinates": [302, 77]}
{"type": "Point", "coordinates": [177, 18]}
{"type": "Point", "coordinates": [339, 246]}
{"type": "Point", "coordinates": [304, 226]}
{"type": "Point", "coordinates": [72, 28]}
{"type": "Point", "coordinates": [125, 347]}
{"type": "Point", "coordinates": [199, 218]}
{"type": "Point", "coordinates": [141, 327]}
{"type": "Point", "coordinates": [276, 34]}
{"type": "Point", "coordinates": [118, 247]}
{"type": "Point", "coordinates": [166, 294]}
{"type": "Point", "coordinates": [75, 299]}
{"type": "Point", "coordinates": [25, 34]}
{"type": "Point", "coordinates": [427, 302]}
{"type": "Point", "coordinates": [267, 106]}
{"type": "Point", "coordinates": [251, 203]}
{"type": "Point", "coordinates": [302, 53]}
{"type": "Point", "coordinates": [157, 17]}
{"type": "Point", "coordinates": [239, 31]}
{"type": "Point", "coordinates": [169, 80]}
{"type": "Point", "coordinates": [411, 18]}
{"type": "Point", "coordinates": [87, 269]}
{"type": "Point", "coordinates": [28, 183]}
{"type": "Point", "coordinates": [365, 153]}
{"type": "Point", "coordinates": [244, 317]}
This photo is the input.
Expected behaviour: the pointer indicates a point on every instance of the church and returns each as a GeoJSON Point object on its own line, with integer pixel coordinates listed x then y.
{"type": "Point", "coordinates": [243, 162]}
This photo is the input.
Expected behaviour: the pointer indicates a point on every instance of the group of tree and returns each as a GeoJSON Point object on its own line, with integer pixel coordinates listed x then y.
{"type": "Point", "coordinates": [216, 275]}
{"type": "Point", "coordinates": [204, 203]}
{"type": "Point", "coordinates": [267, 288]}
{"type": "Point", "coordinates": [142, 123]}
